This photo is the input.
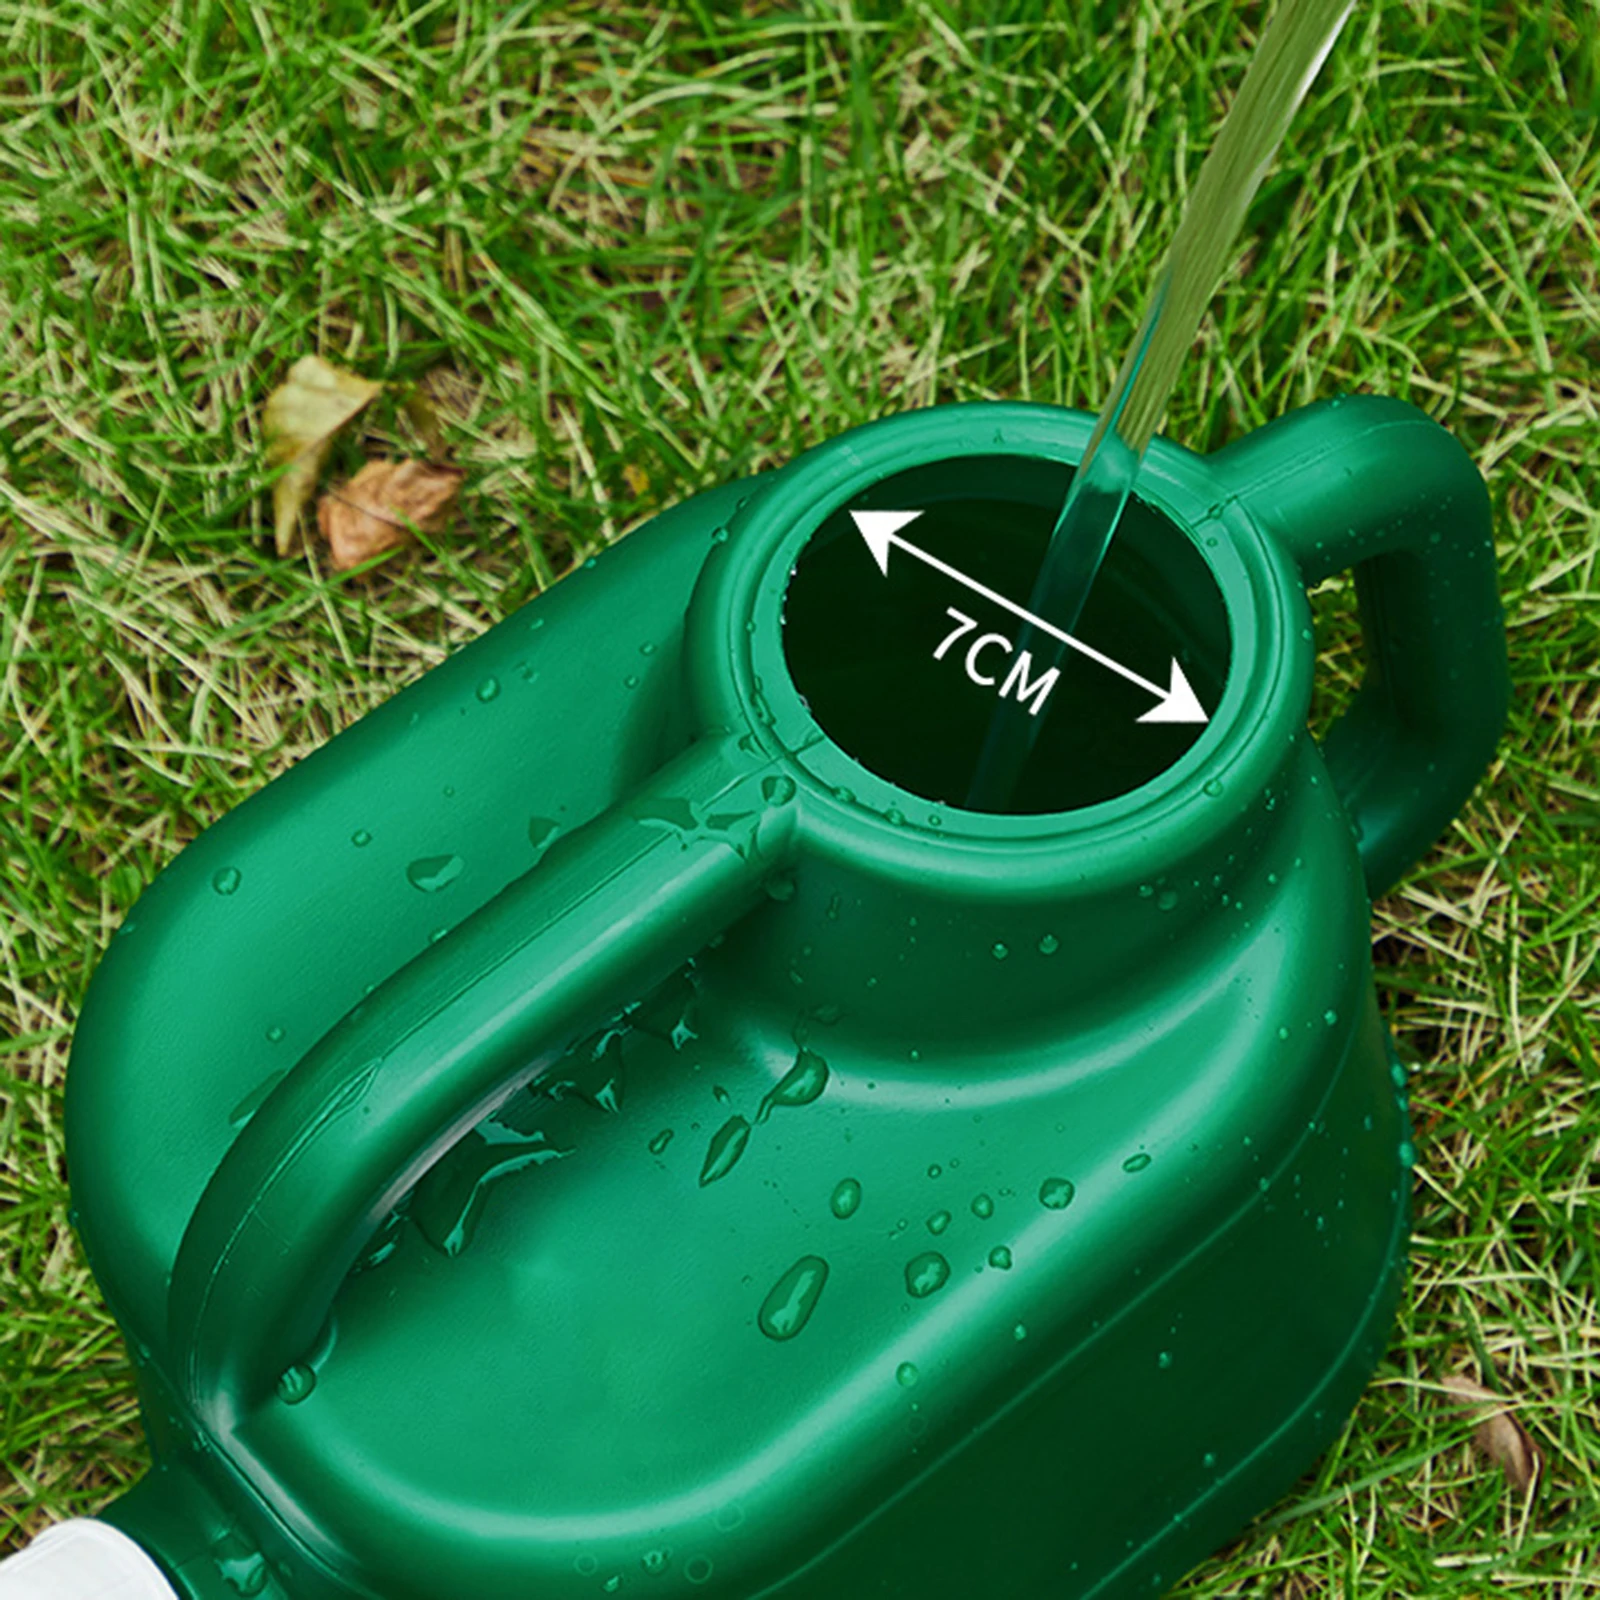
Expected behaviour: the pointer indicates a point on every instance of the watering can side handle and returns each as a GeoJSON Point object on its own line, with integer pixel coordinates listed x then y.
{"type": "Point", "coordinates": [1369, 482]}
{"type": "Point", "coordinates": [611, 910]}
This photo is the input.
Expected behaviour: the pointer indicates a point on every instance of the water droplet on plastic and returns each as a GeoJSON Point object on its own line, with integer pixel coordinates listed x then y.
{"type": "Point", "coordinates": [647, 649]}
{"type": "Point", "coordinates": [542, 831]}
{"type": "Point", "coordinates": [1168, 899]}
{"type": "Point", "coordinates": [656, 1561]}
{"type": "Point", "coordinates": [982, 1206]}
{"type": "Point", "coordinates": [245, 1574]}
{"type": "Point", "coordinates": [1000, 952]}
{"type": "Point", "coordinates": [296, 1384]}
{"type": "Point", "coordinates": [906, 1375]}
{"type": "Point", "coordinates": [845, 1200]}
{"type": "Point", "coordinates": [1000, 1257]}
{"type": "Point", "coordinates": [1164, 1360]}
{"type": "Point", "coordinates": [432, 873]}
{"type": "Point", "coordinates": [671, 811]}
{"type": "Point", "coordinates": [792, 1299]}
{"type": "Point", "coordinates": [1146, 890]}
{"type": "Point", "coordinates": [938, 1222]}
{"type": "Point", "coordinates": [1049, 945]}
{"type": "Point", "coordinates": [926, 1273]}
{"type": "Point", "coordinates": [1283, 1033]}
{"type": "Point", "coordinates": [275, 1033]}
{"type": "Point", "coordinates": [727, 1145]}
{"type": "Point", "coordinates": [1020, 1332]}
{"type": "Point", "coordinates": [698, 1569]}
{"type": "Point", "coordinates": [1136, 1163]}
{"type": "Point", "coordinates": [1330, 1017]}
{"type": "Point", "coordinates": [488, 689]}
{"type": "Point", "coordinates": [895, 817]}
{"type": "Point", "coordinates": [1408, 1154]}
{"type": "Point", "coordinates": [1209, 1460]}
{"type": "Point", "coordinates": [661, 1141]}
{"type": "Point", "coordinates": [799, 1086]}
{"type": "Point", "coordinates": [1055, 1194]}
{"type": "Point", "coordinates": [226, 879]}
{"type": "Point", "coordinates": [935, 1170]}
{"type": "Point", "coordinates": [778, 790]}
{"type": "Point", "coordinates": [451, 1199]}
{"type": "Point", "coordinates": [360, 838]}
{"type": "Point", "coordinates": [1212, 787]}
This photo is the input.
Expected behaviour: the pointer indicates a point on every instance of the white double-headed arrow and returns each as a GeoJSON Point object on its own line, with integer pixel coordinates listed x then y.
{"type": "Point", "coordinates": [881, 531]}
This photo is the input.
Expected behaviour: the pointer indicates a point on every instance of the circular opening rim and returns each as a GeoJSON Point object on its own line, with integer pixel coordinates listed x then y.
{"type": "Point", "coordinates": [1240, 745]}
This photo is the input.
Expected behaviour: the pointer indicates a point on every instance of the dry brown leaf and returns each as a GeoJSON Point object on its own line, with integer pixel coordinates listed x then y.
{"type": "Point", "coordinates": [1499, 1435]}
{"type": "Point", "coordinates": [381, 505]}
{"type": "Point", "coordinates": [300, 419]}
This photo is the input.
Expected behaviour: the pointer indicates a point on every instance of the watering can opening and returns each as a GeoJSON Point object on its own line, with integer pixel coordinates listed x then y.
{"type": "Point", "coordinates": [902, 652]}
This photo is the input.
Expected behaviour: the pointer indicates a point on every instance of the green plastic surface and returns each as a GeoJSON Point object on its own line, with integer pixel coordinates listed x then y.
{"type": "Point", "coordinates": [585, 1132]}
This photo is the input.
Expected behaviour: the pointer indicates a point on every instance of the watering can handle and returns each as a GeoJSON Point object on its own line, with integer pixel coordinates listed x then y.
{"type": "Point", "coordinates": [1369, 482]}
{"type": "Point", "coordinates": [611, 910]}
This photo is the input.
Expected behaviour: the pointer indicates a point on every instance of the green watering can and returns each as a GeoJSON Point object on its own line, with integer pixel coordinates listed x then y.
{"type": "Point", "coordinates": [613, 1122]}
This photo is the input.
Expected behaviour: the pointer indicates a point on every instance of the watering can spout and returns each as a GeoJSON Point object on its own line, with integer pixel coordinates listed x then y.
{"type": "Point", "coordinates": [165, 1538]}
{"type": "Point", "coordinates": [83, 1559]}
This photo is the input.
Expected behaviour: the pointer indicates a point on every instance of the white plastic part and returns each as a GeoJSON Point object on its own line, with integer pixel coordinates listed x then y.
{"type": "Point", "coordinates": [83, 1559]}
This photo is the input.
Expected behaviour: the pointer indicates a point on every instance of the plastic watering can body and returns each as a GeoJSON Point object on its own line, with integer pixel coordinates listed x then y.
{"type": "Point", "coordinates": [611, 1122]}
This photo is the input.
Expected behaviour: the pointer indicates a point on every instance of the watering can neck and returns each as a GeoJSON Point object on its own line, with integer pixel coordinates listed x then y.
{"type": "Point", "coordinates": [911, 913]}
{"type": "Point", "coordinates": [1042, 932]}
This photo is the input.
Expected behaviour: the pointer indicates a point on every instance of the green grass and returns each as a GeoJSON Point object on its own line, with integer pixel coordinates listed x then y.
{"type": "Point", "coordinates": [602, 238]}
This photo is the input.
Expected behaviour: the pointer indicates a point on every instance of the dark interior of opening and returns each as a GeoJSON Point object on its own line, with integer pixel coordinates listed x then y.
{"type": "Point", "coordinates": [860, 643]}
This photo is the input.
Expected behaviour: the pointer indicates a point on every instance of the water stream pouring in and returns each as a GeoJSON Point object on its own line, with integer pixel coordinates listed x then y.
{"type": "Point", "coordinates": [1297, 42]}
